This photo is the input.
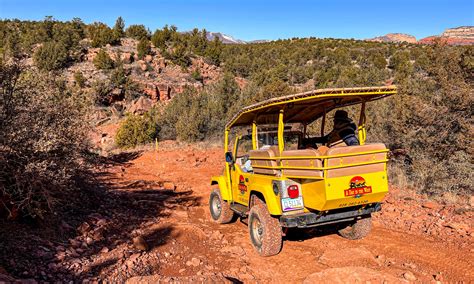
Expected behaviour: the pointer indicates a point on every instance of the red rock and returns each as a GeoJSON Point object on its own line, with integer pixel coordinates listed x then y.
{"type": "Point", "coordinates": [126, 57]}
{"type": "Point", "coordinates": [75, 243]}
{"type": "Point", "coordinates": [84, 228]}
{"type": "Point", "coordinates": [61, 255]}
{"type": "Point", "coordinates": [97, 235]}
{"type": "Point", "coordinates": [429, 205]}
{"type": "Point", "coordinates": [101, 222]}
{"type": "Point", "coordinates": [409, 276]}
{"type": "Point", "coordinates": [104, 250]}
{"type": "Point", "coordinates": [140, 106]}
{"type": "Point", "coordinates": [169, 186]}
{"type": "Point", "coordinates": [140, 243]}
{"type": "Point", "coordinates": [457, 226]}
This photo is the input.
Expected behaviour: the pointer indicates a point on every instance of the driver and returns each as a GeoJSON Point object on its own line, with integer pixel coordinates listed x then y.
{"type": "Point", "coordinates": [344, 129]}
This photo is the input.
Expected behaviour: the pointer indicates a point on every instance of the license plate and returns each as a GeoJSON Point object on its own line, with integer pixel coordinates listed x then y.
{"type": "Point", "coordinates": [289, 204]}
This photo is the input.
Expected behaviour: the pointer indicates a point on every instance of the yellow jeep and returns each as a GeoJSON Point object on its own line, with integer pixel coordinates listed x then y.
{"type": "Point", "coordinates": [278, 181]}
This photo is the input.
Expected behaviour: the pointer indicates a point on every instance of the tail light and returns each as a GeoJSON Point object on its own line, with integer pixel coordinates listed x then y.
{"type": "Point", "coordinates": [293, 191]}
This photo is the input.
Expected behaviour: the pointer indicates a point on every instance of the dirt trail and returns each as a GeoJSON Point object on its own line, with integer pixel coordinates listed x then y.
{"type": "Point", "coordinates": [226, 248]}
{"type": "Point", "coordinates": [150, 223]}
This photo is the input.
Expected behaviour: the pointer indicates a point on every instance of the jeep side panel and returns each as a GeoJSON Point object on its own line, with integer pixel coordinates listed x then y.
{"type": "Point", "coordinates": [264, 185]}
{"type": "Point", "coordinates": [225, 191]}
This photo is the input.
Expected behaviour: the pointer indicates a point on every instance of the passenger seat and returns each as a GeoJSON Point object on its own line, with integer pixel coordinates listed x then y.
{"type": "Point", "coordinates": [356, 170]}
{"type": "Point", "coordinates": [302, 163]}
{"type": "Point", "coordinates": [271, 152]}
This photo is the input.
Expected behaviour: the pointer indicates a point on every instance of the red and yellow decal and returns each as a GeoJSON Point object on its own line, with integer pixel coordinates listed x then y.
{"type": "Point", "coordinates": [242, 187]}
{"type": "Point", "coordinates": [357, 187]}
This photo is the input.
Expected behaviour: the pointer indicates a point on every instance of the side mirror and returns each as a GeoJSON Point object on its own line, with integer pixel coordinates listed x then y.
{"type": "Point", "coordinates": [228, 157]}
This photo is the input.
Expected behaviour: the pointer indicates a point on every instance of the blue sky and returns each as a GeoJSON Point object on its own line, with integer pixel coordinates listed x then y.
{"type": "Point", "coordinates": [259, 19]}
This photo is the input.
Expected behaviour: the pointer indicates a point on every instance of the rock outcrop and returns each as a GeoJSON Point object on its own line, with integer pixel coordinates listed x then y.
{"type": "Point", "coordinates": [455, 36]}
{"type": "Point", "coordinates": [395, 37]}
{"type": "Point", "coordinates": [154, 75]}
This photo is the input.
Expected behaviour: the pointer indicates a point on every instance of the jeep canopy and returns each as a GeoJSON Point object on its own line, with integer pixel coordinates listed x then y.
{"type": "Point", "coordinates": [308, 106]}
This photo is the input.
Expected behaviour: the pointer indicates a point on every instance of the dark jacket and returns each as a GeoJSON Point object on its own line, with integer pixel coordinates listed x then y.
{"type": "Point", "coordinates": [343, 129]}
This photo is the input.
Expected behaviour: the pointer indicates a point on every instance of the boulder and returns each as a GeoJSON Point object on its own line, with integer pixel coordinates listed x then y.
{"type": "Point", "coordinates": [139, 243]}
{"type": "Point", "coordinates": [126, 57]}
{"type": "Point", "coordinates": [141, 105]}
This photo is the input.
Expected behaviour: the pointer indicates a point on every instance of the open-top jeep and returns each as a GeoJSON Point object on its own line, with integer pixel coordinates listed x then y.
{"type": "Point", "coordinates": [273, 177]}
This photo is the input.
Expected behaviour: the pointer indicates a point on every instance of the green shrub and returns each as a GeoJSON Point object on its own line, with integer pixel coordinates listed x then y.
{"type": "Point", "coordinates": [51, 56]}
{"type": "Point", "coordinates": [180, 56]}
{"type": "Point", "coordinates": [118, 76]}
{"type": "Point", "coordinates": [43, 137]}
{"type": "Point", "coordinates": [190, 117]}
{"type": "Point", "coordinates": [214, 51]}
{"type": "Point", "coordinates": [101, 35]}
{"type": "Point", "coordinates": [103, 61]}
{"type": "Point", "coordinates": [136, 130]}
{"type": "Point", "coordinates": [162, 38]}
{"type": "Point", "coordinates": [137, 32]}
{"type": "Point", "coordinates": [101, 92]}
{"type": "Point", "coordinates": [197, 75]}
{"type": "Point", "coordinates": [79, 79]}
{"type": "Point", "coordinates": [143, 48]}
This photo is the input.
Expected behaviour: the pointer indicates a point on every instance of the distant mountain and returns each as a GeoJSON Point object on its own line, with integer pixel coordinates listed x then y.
{"type": "Point", "coordinates": [224, 38]}
{"type": "Point", "coordinates": [227, 39]}
{"type": "Point", "coordinates": [456, 36]}
{"type": "Point", "coordinates": [394, 37]}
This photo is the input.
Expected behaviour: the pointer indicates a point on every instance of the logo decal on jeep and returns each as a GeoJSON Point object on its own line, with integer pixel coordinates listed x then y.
{"type": "Point", "coordinates": [357, 187]}
{"type": "Point", "coordinates": [242, 187]}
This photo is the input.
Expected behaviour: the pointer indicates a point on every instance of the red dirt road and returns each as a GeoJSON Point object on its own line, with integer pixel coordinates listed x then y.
{"type": "Point", "coordinates": [147, 220]}
{"type": "Point", "coordinates": [393, 252]}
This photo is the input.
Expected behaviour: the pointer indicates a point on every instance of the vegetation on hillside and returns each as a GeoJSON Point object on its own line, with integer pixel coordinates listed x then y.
{"type": "Point", "coordinates": [428, 125]}
{"type": "Point", "coordinates": [43, 137]}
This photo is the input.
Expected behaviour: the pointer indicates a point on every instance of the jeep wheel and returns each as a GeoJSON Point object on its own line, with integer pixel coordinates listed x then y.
{"type": "Point", "coordinates": [358, 230]}
{"type": "Point", "coordinates": [220, 210]}
{"type": "Point", "coordinates": [265, 231]}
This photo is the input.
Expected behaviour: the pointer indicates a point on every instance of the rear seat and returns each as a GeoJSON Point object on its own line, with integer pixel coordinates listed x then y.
{"type": "Point", "coordinates": [302, 163]}
{"type": "Point", "coordinates": [355, 159]}
{"type": "Point", "coordinates": [271, 152]}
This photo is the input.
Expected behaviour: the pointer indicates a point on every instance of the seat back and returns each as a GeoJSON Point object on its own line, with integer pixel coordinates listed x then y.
{"type": "Point", "coordinates": [356, 170]}
{"type": "Point", "coordinates": [301, 163]}
{"type": "Point", "coordinates": [271, 152]}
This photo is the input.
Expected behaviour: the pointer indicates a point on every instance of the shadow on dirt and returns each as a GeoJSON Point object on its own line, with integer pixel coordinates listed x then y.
{"type": "Point", "coordinates": [94, 229]}
{"type": "Point", "coordinates": [300, 235]}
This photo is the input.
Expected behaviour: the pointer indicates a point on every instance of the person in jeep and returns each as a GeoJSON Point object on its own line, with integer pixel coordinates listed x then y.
{"type": "Point", "coordinates": [344, 129]}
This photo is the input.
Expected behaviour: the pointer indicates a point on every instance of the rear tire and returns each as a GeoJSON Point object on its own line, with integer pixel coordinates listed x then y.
{"type": "Point", "coordinates": [219, 209]}
{"type": "Point", "coordinates": [264, 230]}
{"type": "Point", "coordinates": [358, 230]}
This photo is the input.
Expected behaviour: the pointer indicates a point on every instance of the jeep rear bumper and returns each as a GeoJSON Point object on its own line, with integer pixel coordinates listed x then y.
{"type": "Point", "coordinates": [305, 220]}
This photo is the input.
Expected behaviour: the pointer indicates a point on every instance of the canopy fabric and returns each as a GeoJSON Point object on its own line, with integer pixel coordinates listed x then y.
{"type": "Point", "coordinates": [308, 106]}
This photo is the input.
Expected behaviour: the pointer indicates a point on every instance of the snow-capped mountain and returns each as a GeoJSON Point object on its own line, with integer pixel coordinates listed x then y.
{"type": "Point", "coordinates": [224, 38]}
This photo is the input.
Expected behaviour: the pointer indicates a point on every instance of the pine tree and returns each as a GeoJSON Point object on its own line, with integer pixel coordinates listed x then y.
{"type": "Point", "coordinates": [118, 29]}
{"type": "Point", "coordinates": [143, 48]}
{"type": "Point", "coordinates": [103, 61]}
